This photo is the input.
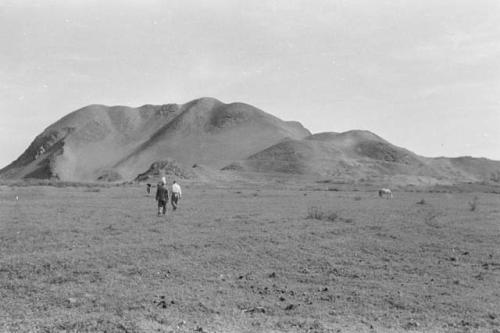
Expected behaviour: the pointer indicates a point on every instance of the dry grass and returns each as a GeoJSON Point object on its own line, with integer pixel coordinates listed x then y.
{"type": "Point", "coordinates": [80, 261]}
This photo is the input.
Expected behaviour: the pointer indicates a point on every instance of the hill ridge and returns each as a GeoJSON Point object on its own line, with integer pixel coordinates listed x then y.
{"type": "Point", "coordinates": [125, 140]}
{"type": "Point", "coordinates": [116, 143]}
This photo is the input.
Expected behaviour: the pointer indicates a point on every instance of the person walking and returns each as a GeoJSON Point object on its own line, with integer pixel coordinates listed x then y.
{"type": "Point", "coordinates": [162, 196]}
{"type": "Point", "coordinates": [176, 194]}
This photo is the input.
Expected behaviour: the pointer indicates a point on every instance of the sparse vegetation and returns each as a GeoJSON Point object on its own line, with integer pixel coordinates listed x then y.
{"type": "Point", "coordinates": [331, 216]}
{"type": "Point", "coordinates": [357, 198]}
{"type": "Point", "coordinates": [421, 202]}
{"type": "Point", "coordinates": [431, 218]}
{"type": "Point", "coordinates": [473, 204]}
{"type": "Point", "coordinates": [317, 213]}
{"type": "Point", "coordinates": [495, 177]}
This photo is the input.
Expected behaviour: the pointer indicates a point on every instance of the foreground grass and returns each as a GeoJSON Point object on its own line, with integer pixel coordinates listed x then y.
{"type": "Point", "coordinates": [247, 260]}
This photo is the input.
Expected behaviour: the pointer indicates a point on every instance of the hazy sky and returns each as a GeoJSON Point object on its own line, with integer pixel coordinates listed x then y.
{"type": "Point", "coordinates": [424, 75]}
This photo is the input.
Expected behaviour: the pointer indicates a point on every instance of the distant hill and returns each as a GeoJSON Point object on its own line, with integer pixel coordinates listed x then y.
{"type": "Point", "coordinates": [99, 142]}
{"type": "Point", "coordinates": [362, 155]}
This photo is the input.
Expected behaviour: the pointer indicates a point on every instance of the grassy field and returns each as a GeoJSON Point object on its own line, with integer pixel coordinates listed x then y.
{"type": "Point", "coordinates": [244, 258]}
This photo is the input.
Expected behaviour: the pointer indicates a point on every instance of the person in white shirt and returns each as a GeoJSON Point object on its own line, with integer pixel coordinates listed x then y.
{"type": "Point", "coordinates": [176, 194]}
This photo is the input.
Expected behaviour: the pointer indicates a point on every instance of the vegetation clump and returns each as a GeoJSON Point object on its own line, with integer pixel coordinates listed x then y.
{"type": "Point", "coordinates": [317, 213]}
{"type": "Point", "coordinates": [473, 204]}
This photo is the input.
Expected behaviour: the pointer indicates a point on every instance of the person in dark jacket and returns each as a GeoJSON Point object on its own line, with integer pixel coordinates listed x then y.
{"type": "Point", "coordinates": [162, 197]}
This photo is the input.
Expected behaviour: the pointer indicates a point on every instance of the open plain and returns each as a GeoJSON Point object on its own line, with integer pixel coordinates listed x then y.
{"type": "Point", "coordinates": [249, 257]}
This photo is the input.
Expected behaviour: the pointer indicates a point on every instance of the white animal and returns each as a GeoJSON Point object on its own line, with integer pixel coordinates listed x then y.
{"type": "Point", "coordinates": [17, 197]}
{"type": "Point", "coordinates": [385, 192]}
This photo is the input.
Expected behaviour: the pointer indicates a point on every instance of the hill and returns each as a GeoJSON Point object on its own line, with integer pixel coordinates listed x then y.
{"type": "Point", "coordinates": [213, 134]}
{"type": "Point", "coordinates": [363, 155]}
{"type": "Point", "coordinates": [121, 143]}
{"type": "Point", "coordinates": [101, 142]}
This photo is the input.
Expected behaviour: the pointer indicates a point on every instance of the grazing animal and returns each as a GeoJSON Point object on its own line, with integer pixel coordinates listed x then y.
{"type": "Point", "coordinates": [385, 192]}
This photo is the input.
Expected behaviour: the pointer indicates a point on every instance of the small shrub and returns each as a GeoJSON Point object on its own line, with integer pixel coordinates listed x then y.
{"type": "Point", "coordinates": [332, 216]}
{"type": "Point", "coordinates": [495, 177]}
{"type": "Point", "coordinates": [348, 220]}
{"type": "Point", "coordinates": [315, 213]}
{"type": "Point", "coordinates": [421, 202]}
{"type": "Point", "coordinates": [431, 218]}
{"type": "Point", "coordinates": [473, 204]}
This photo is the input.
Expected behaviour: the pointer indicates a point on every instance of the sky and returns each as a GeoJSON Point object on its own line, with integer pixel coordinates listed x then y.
{"type": "Point", "coordinates": [423, 74]}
